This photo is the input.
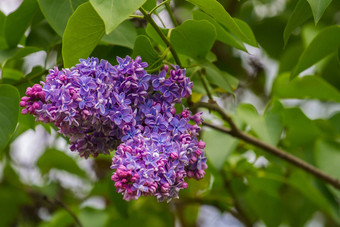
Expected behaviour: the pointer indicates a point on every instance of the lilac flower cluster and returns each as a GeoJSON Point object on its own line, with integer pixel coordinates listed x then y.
{"type": "Point", "coordinates": [99, 106]}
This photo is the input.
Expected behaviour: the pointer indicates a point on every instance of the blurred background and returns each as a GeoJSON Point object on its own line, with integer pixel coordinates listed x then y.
{"type": "Point", "coordinates": [43, 183]}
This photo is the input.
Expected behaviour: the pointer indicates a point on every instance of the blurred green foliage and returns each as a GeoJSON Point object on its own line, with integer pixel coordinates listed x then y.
{"type": "Point", "coordinates": [226, 43]}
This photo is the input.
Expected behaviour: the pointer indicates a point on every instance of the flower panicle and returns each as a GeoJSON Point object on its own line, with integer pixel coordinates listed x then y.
{"type": "Point", "coordinates": [101, 107]}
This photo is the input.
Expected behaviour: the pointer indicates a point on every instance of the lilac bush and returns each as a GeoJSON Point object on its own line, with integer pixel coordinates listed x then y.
{"type": "Point", "coordinates": [101, 107]}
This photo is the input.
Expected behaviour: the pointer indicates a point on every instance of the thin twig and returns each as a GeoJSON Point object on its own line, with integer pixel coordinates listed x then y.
{"type": "Point", "coordinates": [172, 17]}
{"type": "Point", "coordinates": [202, 76]}
{"type": "Point", "coordinates": [157, 6]}
{"type": "Point", "coordinates": [148, 17]}
{"type": "Point", "coordinates": [237, 133]}
{"type": "Point", "coordinates": [60, 203]}
{"type": "Point", "coordinates": [242, 216]}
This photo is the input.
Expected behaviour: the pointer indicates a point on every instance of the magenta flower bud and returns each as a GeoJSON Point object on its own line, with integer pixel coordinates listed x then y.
{"type": "Point", "coordinates": [185, 113]}
{"type": "Point", "coordinates": [198, 118]}
{"type": "Point", "coordinates": [200, 174]}
{"type": "Point", "coordinates": [198, 152]}
{"type": "Point", "coordinates": [193, 160]}
{"type": "Point", "coordinates": [165, 68]}
{"type": "Point", "coordinates": [173, 110]}
{"type": "Point", "coordinates": [29, 91]}
{"type": "Point", "coordinates": [173, 155]}
{"type": "Point", "coordinates": [190, 174]}
{"type": "Point", "coordinates": [24, 111]}
{"type": "Point", "coordinates": [118, 184]}
{"type": "Point", "coordinates": [25, 98]}
{"type": "Point", "coordinates": [165, 187]}
{"type": "Point", "coordinates": [201, 144]}
{"type": "Point", "coordinates": [36, 105]}
{"type": "Point", "coordinates": [184, 185]}
{"type": "Point", "coordinates": [204, 166]}
{"type": "Point", "coordinates": [114, 177]}
{"type": "Point", "coordinates": [37, 87]}
{"type": "Point", "coordinates": [22, 103]}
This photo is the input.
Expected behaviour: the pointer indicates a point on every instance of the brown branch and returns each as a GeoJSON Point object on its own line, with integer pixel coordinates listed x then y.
{"type": "Point", "coordinates": [237, 133]}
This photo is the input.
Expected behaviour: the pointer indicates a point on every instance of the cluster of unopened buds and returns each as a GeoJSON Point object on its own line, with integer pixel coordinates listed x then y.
{"type": "Point", "coordinates": [101, 107]}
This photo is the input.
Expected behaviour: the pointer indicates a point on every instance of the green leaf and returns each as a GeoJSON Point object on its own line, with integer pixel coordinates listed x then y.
{"type": "Point", "coordinates": [219, 78]}
{"type": "Point", "coordinates": [307, 87]}
{"type": "Point", "coordinates": [83, 31]}
{"type": "Point", "coordinates": [300, 14]}
{"type": "Point", "coordinates": [12, 199]}
{"type": "Point", "coordinates": [92, 217]}
{"type": "Point", "coordinates": [216, 10]}
{"type": "Point", "coordinates": [58, 12]}
{"type": "Point", "coordinates": [267, 127]}
{"type": "Point", "coordinates": [247, 31]}
{"type": "Point", "coordinates": [9, 110]}
{"type": "Point", "coordinates": [124, 35]}
{"type": "Point", "coordinates": [150, 31]}
{"type": "Point", "coordinates": [194, 38]}
{"type": "Point", "coordinates": [18, 21]}
{"type": "Point", "coordinates": [325, 43]}
{"type": "Point", "coordinates": [114, 12]}
{"type": "Point", "coordinates": [318, 8]}
{"type": "Point", "coordinates": [144, 49]}
{"type": "Point", "coordinates": [222, 34]}
{"type": "Point", "coordinates": [3, 43]}
{"type": "Point", "coordinates": [219, 149]}
{"type": "Point", "coordinates": [10, 75]}
{"type": "Point", "coordinates": [43, 36]}
{"type": "Point", "coordinates": [54, 159]}
{"type": "Point", "coordinates": [327, 156]}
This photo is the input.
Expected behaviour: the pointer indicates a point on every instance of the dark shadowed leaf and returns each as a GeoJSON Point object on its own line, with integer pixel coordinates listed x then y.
{"type": "Point", "coordinates": [55, 159]}
{"type": "Point", "coordinates": [18, 21]}
{"type": "Point", "coordinates": [325, 43]}
{"type": "Point", "coordinates": [57, 12]}
{"type": "Point", "coordinates": [9, 110]}
{"type": "Point", "coordinates": [301, 13]}
{"type": "Point", "coordinates": [144, 49]}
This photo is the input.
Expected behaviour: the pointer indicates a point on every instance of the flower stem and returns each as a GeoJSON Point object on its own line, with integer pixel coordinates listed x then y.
{"type": "Point", "coordinates": [148, 17]}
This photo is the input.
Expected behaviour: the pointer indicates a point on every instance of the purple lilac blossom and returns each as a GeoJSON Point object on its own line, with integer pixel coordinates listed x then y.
{"type": "Point", "coordinates": [101, 107]}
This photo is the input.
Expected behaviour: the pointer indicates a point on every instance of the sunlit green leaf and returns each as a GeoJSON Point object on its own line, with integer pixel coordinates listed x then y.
{"type": "Point", "coordinates": [267, 127]}
{"type": "Point", "coordinates": [307, 87]}
{"type": "Point", "coordinates": [222, 34]}
{"type": "Point", "coordinates": [124, 35]}
{"type": "Point", "coordinates": [218, 149]}
{"type": "Point", "coordinates": [83, 31]}
{"type": "Point", "coordinates": [193, 38]}
{"type": "Point", "coordinates": [318, 8]}
{"type": "Point", "coordinates": [114, 12]}
{"type": "Point", "coordinates": [216, 10]}
{"type": "Point", "coordinates": [220, 78]}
